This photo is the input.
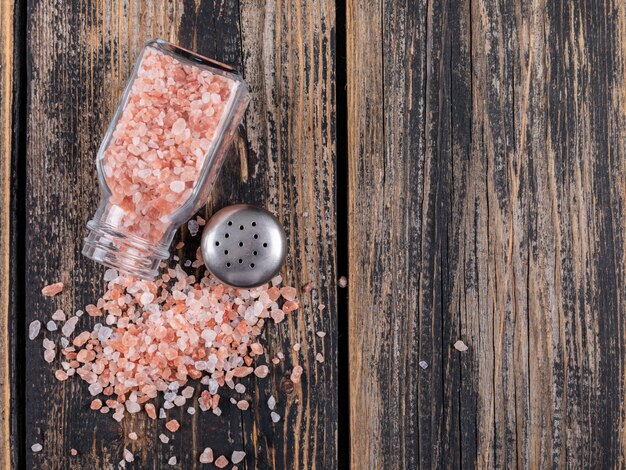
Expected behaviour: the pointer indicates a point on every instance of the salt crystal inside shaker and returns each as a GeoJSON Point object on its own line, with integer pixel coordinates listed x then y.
{"type": "Point", "coordinates": [161, 154]}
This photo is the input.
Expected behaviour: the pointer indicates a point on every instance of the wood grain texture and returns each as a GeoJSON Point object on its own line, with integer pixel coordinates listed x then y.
{"type": "Point", "coordinates": [80, 56]}
{"type": "Point", "coordinates": [486, 185]}
{"type": "Point", "coordinates": [7, 409]}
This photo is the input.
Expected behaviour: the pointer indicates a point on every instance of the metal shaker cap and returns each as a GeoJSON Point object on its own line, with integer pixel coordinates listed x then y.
{"type": "Point", "coordinates": [243, 245]}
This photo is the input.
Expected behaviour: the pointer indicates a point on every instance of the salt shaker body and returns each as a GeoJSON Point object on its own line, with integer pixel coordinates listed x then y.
{"type": "Point", "coordinates": [161, 154]}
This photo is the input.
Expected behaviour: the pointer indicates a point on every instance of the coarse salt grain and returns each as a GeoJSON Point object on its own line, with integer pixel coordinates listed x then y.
{"type": "Point", "coordinates": [52, 289]}
{"type": "Point", "coordinates": [172, 425]}
{"type": "Point", "coordinates": [73, 452]}
{"type": "Point", "coordinates": [460, 346]}
{"type": "Point", "coordinates": [51, 326]}
{"type": "Point", "coordinates": [296, 347]}
{"type": "Point", "coordinates": [342, 282]}
{"type": "Point", "coordinates": [261, 371]}
{"type": "Point", "coordinates": [33, 329]}
{"type": "Point", "coordinates": [58, 315]}
{"type": "Point", "coordinates": [164, 439]}
{"type": "Point", "coordinates": [96, 404]}
{"type": "Point", "coordinates": [221, 462]}
{"type": "Point", "coordinates": [243, 405]}
{"type": "Point", "coordinates": [128, 456]}
{"type": "Point", "coordinates": [172, 460]}
{"type": "Point", "coordinates": [36, 447]}
{"type": "Point", "coordinates": [319, 357]}
{"type": "Point", "coordinates": [132, 436]}
{"type": "Point", "coordinates": [150, 410]}
{"type": "Point", "coordinates": [271, 402]}
{"type": "Point", "coordinates": [296, 373]}
{"type": "Point", "coordinates": [193, 227]}
{"type": "Point", "coordinates": [321, 334]}
{"type": "Point", "coordinates": [240, 388]}
{"type": "Point", "coordinates": [206, 456]}
{"type": "Point", "coordinates": [275, 417]}
{"type": "Point", "coordinates": [423, 364]}
{"type": "Point", "coordinates": [237, 456]}
{"type": "Point", "coordinates": [48, 355]}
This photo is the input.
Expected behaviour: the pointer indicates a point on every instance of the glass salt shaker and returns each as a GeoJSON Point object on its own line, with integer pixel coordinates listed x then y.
{"type": "Point", "coordinates": [161, 154]}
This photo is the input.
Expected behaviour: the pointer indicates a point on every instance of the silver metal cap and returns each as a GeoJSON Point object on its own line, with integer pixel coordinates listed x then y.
{"type": "Point", "coordinates": [243, 245]}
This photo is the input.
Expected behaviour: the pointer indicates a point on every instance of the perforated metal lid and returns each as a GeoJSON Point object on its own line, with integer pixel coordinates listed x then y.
{"type": "Point", "coordinates": [243, 245]}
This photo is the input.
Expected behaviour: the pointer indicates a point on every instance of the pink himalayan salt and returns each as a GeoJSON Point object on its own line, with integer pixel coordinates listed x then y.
{"type": "Point", "coordinates": [296, 373]}
{"type": "Point", "coordinates": [289, 293]}
{"type": "Point", "coordinates": [342, 282]}
{"type": "Point", "coordinates": [96, 404]}
{"type": "Point", "coordinates": [172, 425]}
{"type": "Point", "coordinates": [33, 329]}
{"type": "Point", "coordinates": [319, 357]}
{"type": "Point", "coordinates": [150, 410]}
{"type": "Point", "coordinates": [289, 306]}
{"type": "Point", "coordinates": [206, 456]}
{"type": "Point", "coordinates": [132, 436]}
{"type": "Point", "coordinates": [60, 375]}
{"type": "Point", "coordinates": [48, 355]}
{"type": "Point", "coordinates": [261, 371]}
{"type": "Point", "coordinates": [221, 462]}
{"type": "Point", "coordinates": [58, 315]}
{"type": "Point", "coordinates": [243, 405]}
{"type": "Point", "coordinates": [52, 289]}
{"type": "Point", "coordinates": [277, 315]}
{"type": "Point", "coordinates": [73, 452]}
{"type": "Point", "coordinates": [161, 140]}
{"type": "Point", "coordinates": [237, 456]}
{"type": "Point", "coordinates": [151, 350]}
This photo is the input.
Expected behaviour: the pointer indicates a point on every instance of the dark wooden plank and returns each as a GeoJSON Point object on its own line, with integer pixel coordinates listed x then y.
{"type": "Point", "coordinates": [81, 56]}
{"type": "Point", "coordinates": [400, 159]}
{"type": "Point", "coordinates": [7, 61]}
{"type": "Point", "coordinates": [289, 63]}
{"type": "Point", "coordinates": [486, 199]}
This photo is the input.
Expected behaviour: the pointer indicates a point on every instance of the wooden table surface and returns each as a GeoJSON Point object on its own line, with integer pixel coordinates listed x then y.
{"type": "Point", "coordinates": [462, 162]}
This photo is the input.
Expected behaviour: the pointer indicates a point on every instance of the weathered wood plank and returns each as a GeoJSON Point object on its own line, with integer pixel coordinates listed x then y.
{"type": "Point", "coordinates": [81, 56]}
{"type": "Point", "coordinates": [486, 198]}
{"type": "Point", "coordinates": [289, 63]}
{"type": "Point", "coordinates": [7, 137]}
